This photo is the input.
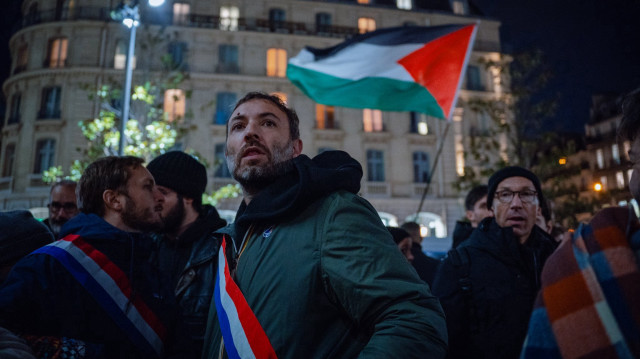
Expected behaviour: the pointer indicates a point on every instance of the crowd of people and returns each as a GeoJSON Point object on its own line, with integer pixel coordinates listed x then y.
{"type": "Point", "coordinates": [131, 263]}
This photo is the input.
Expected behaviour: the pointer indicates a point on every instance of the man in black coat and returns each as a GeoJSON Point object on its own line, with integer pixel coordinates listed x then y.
{"type": "Point", "coordinates": [488, 284]}
{"type": "Point", "coordinates": [423, 264]}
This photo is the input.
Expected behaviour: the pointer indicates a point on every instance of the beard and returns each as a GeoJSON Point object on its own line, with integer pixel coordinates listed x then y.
{"type": "Point", "coordinates": [253, 178]}
{"type": "Point", "coordinates": [142, 220]}
{"type": "Point", "coordinates": [173, 219]}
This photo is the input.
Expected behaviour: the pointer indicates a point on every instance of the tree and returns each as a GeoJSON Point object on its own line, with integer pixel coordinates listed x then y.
{"type": "Point", "coordinates": [518, 119]}
{"type": "Point", "coordinates": [150, 130]}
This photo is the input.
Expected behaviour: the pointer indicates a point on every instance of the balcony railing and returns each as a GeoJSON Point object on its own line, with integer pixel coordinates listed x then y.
{"type": "Point", "coordinates": [192, 20]}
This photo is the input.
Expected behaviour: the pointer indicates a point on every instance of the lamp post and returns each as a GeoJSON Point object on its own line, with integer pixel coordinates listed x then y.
{"type": "Point", "coordinates": [130, 16]}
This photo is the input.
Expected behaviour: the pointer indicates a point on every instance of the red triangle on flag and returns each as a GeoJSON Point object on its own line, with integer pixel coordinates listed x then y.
{"type": "Point", "coordinates": [438, 65]}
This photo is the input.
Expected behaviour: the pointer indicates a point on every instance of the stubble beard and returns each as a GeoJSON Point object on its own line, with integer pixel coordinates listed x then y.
{"type": "Point", "coordinates": [173, 220]}
{"type": "Point", "coordinates": [254, 178]}
{"type": "Point", "coordinates": [141, 220]}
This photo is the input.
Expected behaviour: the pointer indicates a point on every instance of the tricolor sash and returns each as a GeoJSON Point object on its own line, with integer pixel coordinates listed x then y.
{"type": "Point", "coordinates": [242, 333]}
{"type": "Point", "coordinates": [109, 285]}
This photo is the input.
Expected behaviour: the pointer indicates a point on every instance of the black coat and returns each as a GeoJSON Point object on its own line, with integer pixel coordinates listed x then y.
{"type": "Point", "coordinates": [491, 321]}
{"type": "Point", "coordinates": [423, 264]}
{"type": "Point", "coordinates": [41, 297]}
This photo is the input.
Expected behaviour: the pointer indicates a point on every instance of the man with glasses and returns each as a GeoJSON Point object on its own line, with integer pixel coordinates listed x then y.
{"type": "Point", "coordinates": [488, 284]}
{"type": "Point", "coordinates": [62, 205]}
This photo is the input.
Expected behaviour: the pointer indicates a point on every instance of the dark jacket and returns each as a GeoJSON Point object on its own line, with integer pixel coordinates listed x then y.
{"type": "Point", "coordinates": [490, 320]}
{"type": "Point", "coordinates": [423, 264]}
{"type": "Point", "coordinates": [461, 232]}
{"type": "Point", "coordinates": [41, 297]}
{"type": "Point", "coordinates": [323, 275]}
{"type": "Point", "coordinates": [191, 263]}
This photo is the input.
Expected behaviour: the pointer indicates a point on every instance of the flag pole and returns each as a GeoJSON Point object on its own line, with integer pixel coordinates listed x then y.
{"type": "Point", "coordinates": [433, 169]}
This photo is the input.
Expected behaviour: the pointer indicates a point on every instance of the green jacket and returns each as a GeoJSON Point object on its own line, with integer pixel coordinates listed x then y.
{"type": "Point", "coordinates": [329, 282]}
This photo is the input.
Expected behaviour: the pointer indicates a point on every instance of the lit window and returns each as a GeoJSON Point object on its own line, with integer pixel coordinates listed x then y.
{"type": "Point", "coordinates": [615, 153]}
{"type": "Point", "coordinates": [224, 106]}
{"type": "Point", "coordinates": [276, 62]}
{"type": "Point", "coordinates": [458, 7]}
{"type": "Point", "coordinates": [120, 58]}
{"type": "Point", "coordinates": [404, 4]}
{"type": "Point", "coordinates": [366, 24]}
{"type": "Point", "coordinates": [229, 18]}
{"type": "Point", "coordinates": [21, 61]}
{"type": "Point", "coordinates": [603, 181]}
{"type": "Point", "coordinates": [14, 109]}
{"type": "Point", "coordinates": [45, 153]}
{"type": "Point", "coordinates": [418, 123]}
{"type": "Point", "coordinates": [50, 103]}
{"type": "Point", "coordinates": [57, 52]}
{"type": "Point", "coordinates": [363, 1]}
{"type": "Point", "coordinates": [9, 158]}
{"type": "Point", "coordinates": [281, 95]}
{"type": "Point", "coordinates": [324, 117]}
{"type": "Point", "coordinates": [626, 146]}
{"type": "Point", "coordinates": [222, 170]}
{"type": "Point", "coordinates": [180, 13]}
{"type": "Point", "coordinates": [375, 166]}
{"type": "Point", "coordinates": [600, 158]}
{"type": "Point", "coordinates": [420, 167]}
{"type": "Point", "coordinates": [620, 179]}
{"type": "Point", "coordinates": [174, 104]}
{"type": "Point", "coordinates": [372, 120]}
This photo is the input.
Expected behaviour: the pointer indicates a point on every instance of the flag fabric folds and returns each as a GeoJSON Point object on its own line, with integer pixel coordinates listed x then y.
{"type": "Point", "coordinates": [410, 68]}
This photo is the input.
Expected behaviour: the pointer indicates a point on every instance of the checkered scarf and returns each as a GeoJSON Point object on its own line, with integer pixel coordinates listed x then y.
{"type": "Point", "coordinates": [589, 304]}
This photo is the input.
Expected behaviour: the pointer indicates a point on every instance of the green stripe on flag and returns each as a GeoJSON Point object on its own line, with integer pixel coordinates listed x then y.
{"type": "Point", "coordinates": [371, 92]}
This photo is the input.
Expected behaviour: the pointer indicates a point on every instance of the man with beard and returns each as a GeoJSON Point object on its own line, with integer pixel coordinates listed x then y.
{"type": "Point", "coordinates": [62, 205]}
{"type": "Point", "coordinates": [308, 269]}
{"type": "Point", "coordinates": [187, 252]}
{"type": "Point", "coordinates": [487, 284]}
{"type": "Point", "coordinates": [95, 284]}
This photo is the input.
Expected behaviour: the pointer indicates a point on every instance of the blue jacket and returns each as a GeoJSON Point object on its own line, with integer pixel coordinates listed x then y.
{"type": "Point", "coordinates": [41, 297]}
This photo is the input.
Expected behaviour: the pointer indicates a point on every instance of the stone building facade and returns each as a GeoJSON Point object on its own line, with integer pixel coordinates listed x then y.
{"type": "Point", "coordinates": [229, 48]}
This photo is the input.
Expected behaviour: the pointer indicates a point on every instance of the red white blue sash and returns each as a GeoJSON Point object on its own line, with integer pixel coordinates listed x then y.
{"type": "Point", "coordinates": [242, 333]}
{"type": "Point", "coordinates": [109, 285]}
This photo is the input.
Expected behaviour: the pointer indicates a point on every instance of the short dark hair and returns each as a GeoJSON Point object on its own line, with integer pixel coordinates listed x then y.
{"type": "Point", "coordinates": [630, 123]}
{"type": "Point", "coordinates": [63, 183]}
{"type": "Point", "coordinates": [107, 173]}
{"type": "Point", "coordinates": [475, 195]}
{"type": "Point", "coordinates": [292, 116]}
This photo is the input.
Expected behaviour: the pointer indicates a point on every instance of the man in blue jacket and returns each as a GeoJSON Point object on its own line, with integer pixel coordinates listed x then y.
{"type": "Point", "coordinates": [308, 270]}
{"type": "Point", "coordinates": [95, 284]}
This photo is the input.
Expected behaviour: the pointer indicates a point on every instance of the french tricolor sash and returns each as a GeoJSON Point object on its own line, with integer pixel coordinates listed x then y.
{"type": "Point", "coordinates": [242, 333]}
{"type": "Point", "coordinates": [109, 285]}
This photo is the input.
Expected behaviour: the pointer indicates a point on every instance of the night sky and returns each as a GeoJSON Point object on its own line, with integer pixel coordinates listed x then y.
{"type": "Point", "coordinates": [593, 46]}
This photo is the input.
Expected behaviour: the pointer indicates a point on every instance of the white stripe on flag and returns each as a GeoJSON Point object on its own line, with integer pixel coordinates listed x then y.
{"type": "Point", "coordinates": [361, 60]}
{"type": "Point", "coordinates": [240, 340]}
{"type": "Point", "coordinates": [109, 285]}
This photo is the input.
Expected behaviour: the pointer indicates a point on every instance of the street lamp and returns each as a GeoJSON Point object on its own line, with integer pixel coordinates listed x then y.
{"type": "Point", "coordinates": [129, 14]}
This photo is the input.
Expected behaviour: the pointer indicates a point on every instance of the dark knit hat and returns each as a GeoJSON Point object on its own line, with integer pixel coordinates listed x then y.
{"type": "Point", "coordinates": [21, 234]}
{"type": "Point", "coordinates": [398, 234]}
{"type": "Point", "coordinates": [512, 171]}
{"type": "Point", "coordinates": [180, 172]}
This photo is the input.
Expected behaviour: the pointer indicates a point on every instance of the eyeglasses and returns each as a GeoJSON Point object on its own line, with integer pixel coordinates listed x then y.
{"type": "Point", "coordinates": [526, 196]}
{"type": "Point", "coordinates": [68, 207]}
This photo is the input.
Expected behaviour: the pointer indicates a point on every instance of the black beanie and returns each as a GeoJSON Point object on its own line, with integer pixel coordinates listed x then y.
{"type": "Point", "coordinates": [512, 171]}
{"type": "Point", "coordinates": [398, 234]}
{"type": "Point", "coordinates": [180, 172]}
{"type": "Point", "coordinates": [21, 234]}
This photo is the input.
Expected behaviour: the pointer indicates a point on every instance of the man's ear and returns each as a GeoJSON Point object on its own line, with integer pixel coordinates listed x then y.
{"type": "Point", "coordinates": [188, 202]}
{"type": "Point", "coordinates": [297, 147]}
{"type": "Point", "coordinates": [469, 215]}
{"type": "Point", "coordinates": [113, 200]}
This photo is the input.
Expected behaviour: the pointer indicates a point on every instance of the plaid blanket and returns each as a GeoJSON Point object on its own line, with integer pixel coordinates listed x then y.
{"type": "Point", "coordinates": [589, 304]}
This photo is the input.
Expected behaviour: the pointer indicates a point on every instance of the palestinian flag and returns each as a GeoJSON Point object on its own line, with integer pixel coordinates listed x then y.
{"type": "Point", "coordinates": [410, 68]}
